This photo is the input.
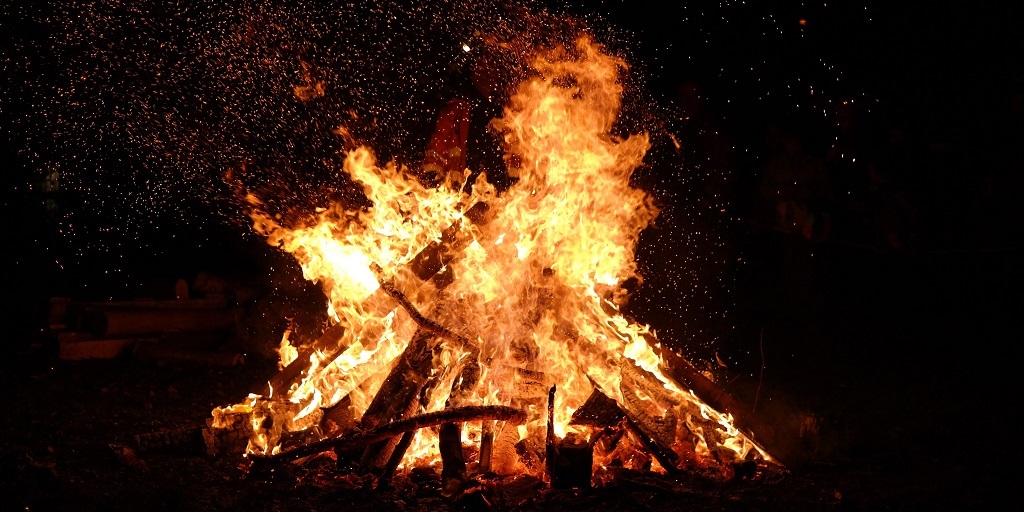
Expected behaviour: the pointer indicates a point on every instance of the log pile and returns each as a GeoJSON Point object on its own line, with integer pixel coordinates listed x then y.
{"type": "Point", "coordinates": [176, 329]}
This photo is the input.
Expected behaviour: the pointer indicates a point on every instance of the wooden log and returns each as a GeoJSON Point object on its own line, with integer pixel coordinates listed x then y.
{"type": "Point", "coordinates": [396, 398]}
{"type": "Point", "coordinates": [328, 341]}
{"type": "Point", "coordinates": [424, 266]}
{"type": "Point", "coordinates": [128, 322]}
{"type": "Point", "coordinates": [227, 432]}
{"type": "Point", "coordinates": [396, 457]}
{"type": "Point", "coordinates": [549, 438]}
{"type": "Point", "coordinates": [338, 418]}
{"type": "Point", "coordinates": [689, 377]}
{"type": "Point", "coordinates": [398, 452]}
{"type": "Point", "coordinates": [486, 446]}
{"type": "Point", "coordinates": [76, 346]}
{"type": "Point", "coordinates": [453, 459]}
{"type": "Point", "coordinates": [158, 352]}
{"type": "Point", "coordinates": [504, 456]}
{"type": "Point", "coordinates": [643, 401]}
{"type": "Point", "coordinates": [425, 323]}
{"type": "Point", "coordinates": [395, 428]}
{"type": "Point", "coordinates": [598, 411]}
{"type": "Point", "coordinates": [182, 439]}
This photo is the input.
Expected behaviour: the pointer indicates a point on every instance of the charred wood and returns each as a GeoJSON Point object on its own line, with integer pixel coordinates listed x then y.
{"type": "Point", "coordinates": [396, 456]}
{"type": "Point", "coordinates": [453, 460]}
{"type": "Point", "coordinates": [685, 373]}
{"type": "Point", "coordinates": [486, 446]}
{"type": "Point", "coordinates": [396, 398]}
{"type": "Point", "coordinates": [549, 438]}
{"type": "Point", "coordinates": [598, 411]}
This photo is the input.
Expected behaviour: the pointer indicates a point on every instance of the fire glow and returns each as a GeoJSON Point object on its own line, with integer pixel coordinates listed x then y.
{"type": "Point", "coordinates": [523, 295]}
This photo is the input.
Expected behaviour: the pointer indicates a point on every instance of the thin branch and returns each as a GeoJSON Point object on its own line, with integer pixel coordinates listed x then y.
{"type": "Point", "coordinates": [421, 320]}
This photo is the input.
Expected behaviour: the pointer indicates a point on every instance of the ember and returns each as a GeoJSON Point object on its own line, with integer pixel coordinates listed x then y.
{"type": "Point", "coordinates": [493, 317]}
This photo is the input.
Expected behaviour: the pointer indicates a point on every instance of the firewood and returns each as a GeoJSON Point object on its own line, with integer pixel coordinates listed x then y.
{"type": "Point", "coordinates": [158, 352]}
{"type": "Point", "coordinates": [689, 377]}
{"type": "Point", "coordinates": [185, 440]}
{"type": "Point", "coordinates": [453, 460]}
{"type": "Point", "coordinates": [598, 411]}
{"type": "Point", "coordinates": [76, 346]}
{"type": "Point", "coordinates": [486, 446]}
{"type": "Point", "coordinates": [127, 322]}
{"type": "Point", "coordinates": [328, 341]}
{"type": "Point", "coordinates": [503, 455]}
{"type": "Point", "coordinates": [227, 432]}
{"type": "Point", "coordinates": [338, 418]}
{"type": "Point", "coordinates": [398, 452]}
{"type": "Point", "coordinates": [424, 266]}
{"type": "Point", "coordinates": [396, 456]}
{"type": "Point", "coordinates": [549, 438]}
{"type": "Point", "coordinates": [396, 398]}
{"type": "Point", "coordinates": [432, 419]}
{"type": "Point", "coordinates": [424, 322]}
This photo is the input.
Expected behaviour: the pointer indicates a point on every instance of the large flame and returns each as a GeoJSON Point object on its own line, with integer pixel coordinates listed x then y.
{"type": "Point", "coordinates": [534, 289]}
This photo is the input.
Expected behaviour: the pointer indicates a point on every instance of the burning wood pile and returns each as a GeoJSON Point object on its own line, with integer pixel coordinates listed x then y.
{"type": "Point", "coordinates": [480, 332]}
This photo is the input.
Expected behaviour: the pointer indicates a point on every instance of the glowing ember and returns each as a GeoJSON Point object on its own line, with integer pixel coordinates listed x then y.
{"type": "Point", "coordinates": [524, 298]}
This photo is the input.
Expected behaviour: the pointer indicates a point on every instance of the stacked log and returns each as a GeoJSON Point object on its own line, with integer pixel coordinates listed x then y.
{"type": "Point", "coordinates": [181, 329]}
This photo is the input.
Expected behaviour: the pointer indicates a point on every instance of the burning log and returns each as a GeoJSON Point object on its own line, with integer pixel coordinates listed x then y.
{"type": "Point", "coordinates": [486, 446]}
{"type": "Point", "coordinates": [227, 431]}
{"type": "Point", "coordinates": [503, 454]}
{"type": "Point", "coordinates": [396, 456]}
{"type": "Point", "coordinates": [397, 396]}
{"type": "Point", "coordinates": [426, 265]}
{"type": "Point", "coordinates": [329, 340]}
{"type": "Point", "coordinates": [453, 460]}
{"type": "Point", "coordinates": [549, 438]}
{"type": "Point", "coordinates": [392, 429]}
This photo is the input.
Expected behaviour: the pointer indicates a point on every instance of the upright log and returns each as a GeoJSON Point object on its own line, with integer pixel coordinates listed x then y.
{"type": "Point", "coordinates": [396, 398]}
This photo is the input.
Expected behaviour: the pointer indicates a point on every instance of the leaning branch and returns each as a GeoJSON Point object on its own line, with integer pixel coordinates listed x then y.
{"type": "Point", "coordinates": [424, 322]}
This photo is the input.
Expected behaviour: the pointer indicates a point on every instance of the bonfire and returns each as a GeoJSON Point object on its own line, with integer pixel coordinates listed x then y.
{"type": "Point", "coordinates": [481, 332]}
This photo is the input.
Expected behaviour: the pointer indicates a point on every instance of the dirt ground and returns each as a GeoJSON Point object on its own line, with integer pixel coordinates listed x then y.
{"type": "Point", "coordinates": [896, 367]}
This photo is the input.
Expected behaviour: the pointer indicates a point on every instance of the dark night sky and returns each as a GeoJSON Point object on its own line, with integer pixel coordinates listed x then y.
{"type": "Point", "coordinates": [112, 105]}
